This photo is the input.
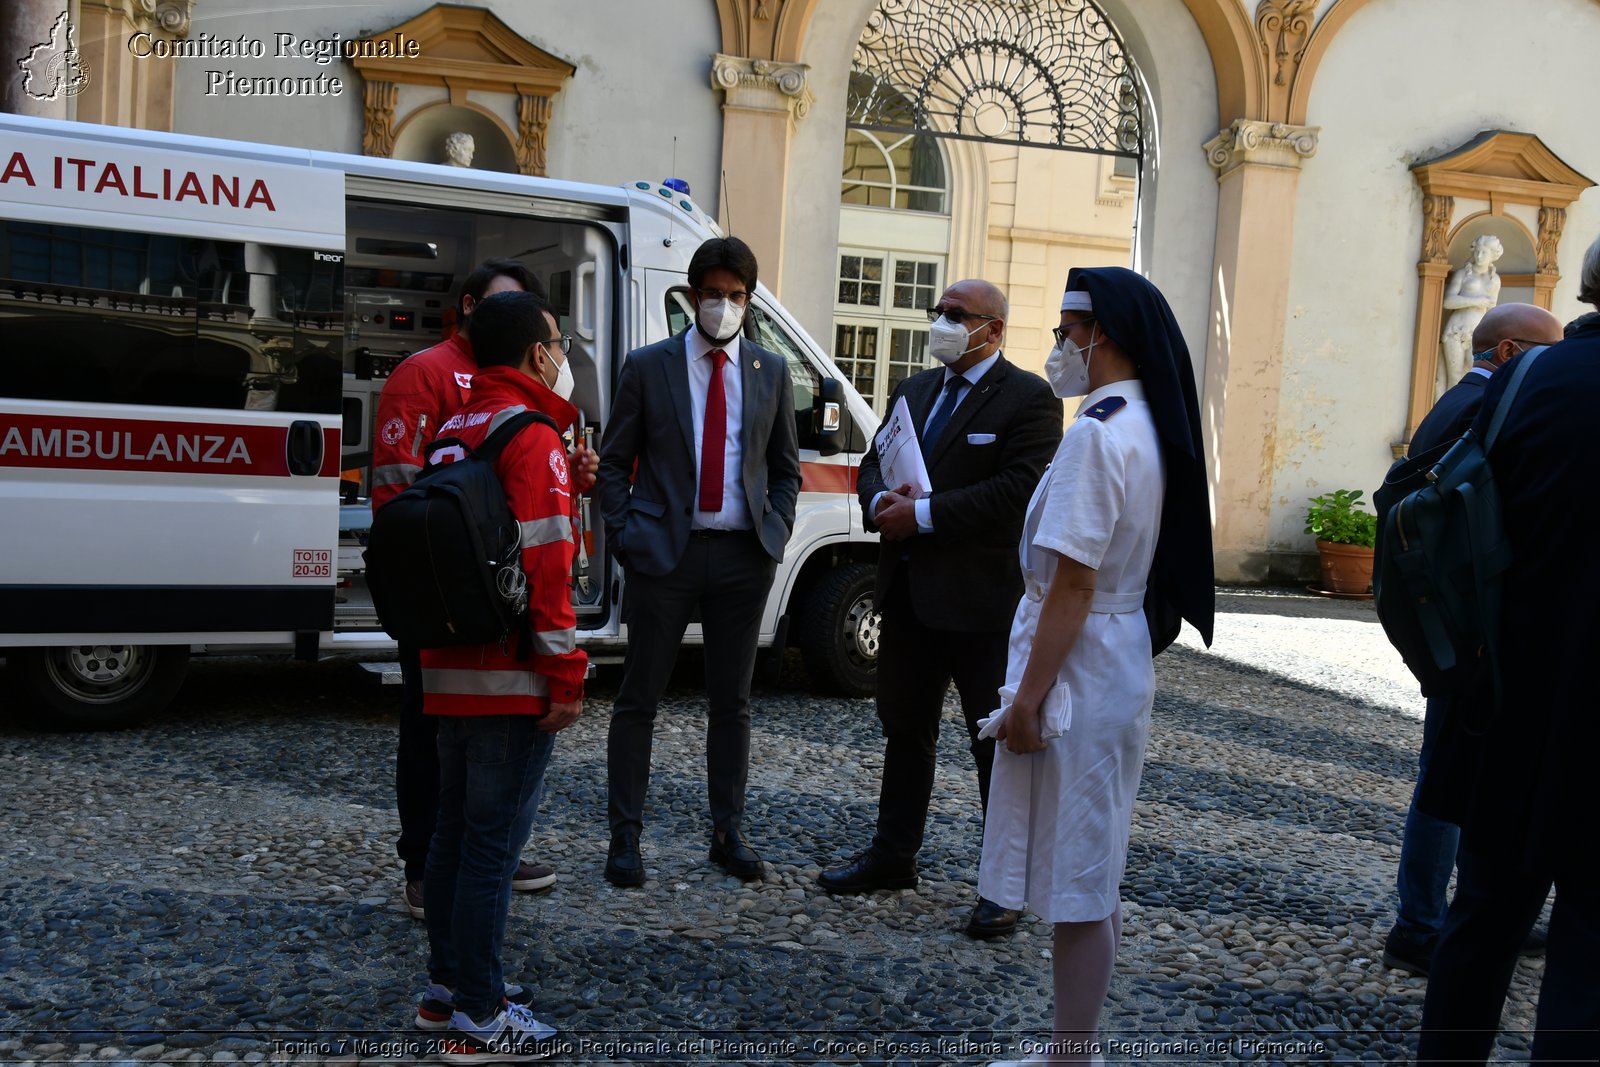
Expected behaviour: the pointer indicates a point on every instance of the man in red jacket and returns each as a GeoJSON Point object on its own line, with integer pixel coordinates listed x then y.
{"type": "Point", "coordinates": [498, 713]}
{"type": "Point", "coordinates": [424, 391]}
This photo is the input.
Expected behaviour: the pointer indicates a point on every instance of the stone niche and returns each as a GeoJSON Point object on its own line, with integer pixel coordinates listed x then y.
{"type": "Point", "coordinates": [1510, 186]}
{"type": "Point", "coordinates": [472, 74]}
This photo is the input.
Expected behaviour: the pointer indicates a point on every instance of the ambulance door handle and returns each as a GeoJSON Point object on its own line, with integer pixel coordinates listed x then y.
{"type": "Point", "coordinates": [304, 447]}
{"type": "Point", "coordinates": [583, 296]}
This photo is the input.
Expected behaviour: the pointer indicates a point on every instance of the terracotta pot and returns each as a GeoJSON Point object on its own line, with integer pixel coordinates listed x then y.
{"type": "Point", "coordinates": [1345, 568]}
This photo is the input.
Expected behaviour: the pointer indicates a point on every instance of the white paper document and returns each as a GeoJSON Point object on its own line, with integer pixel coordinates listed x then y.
{"type": "Point", "coordinates": [899, 454]}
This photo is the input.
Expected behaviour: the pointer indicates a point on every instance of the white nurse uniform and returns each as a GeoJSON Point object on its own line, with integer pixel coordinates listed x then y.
{"type": "Point", "coordinates": [1056, 837]}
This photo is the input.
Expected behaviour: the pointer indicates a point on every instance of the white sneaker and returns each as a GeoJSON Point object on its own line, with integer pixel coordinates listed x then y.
{"type": "Point", "coordinates": [512, 1035]}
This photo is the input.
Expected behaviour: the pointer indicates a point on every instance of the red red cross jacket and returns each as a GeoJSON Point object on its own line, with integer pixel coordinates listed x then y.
{"type": "Point", "coordinates": [424, 390]}
{"type": "Point", "coordinates": [484, 679]}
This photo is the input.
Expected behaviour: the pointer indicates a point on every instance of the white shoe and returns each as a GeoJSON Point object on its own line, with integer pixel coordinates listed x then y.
{"type": "Point", "coordinates": [512, 1035]}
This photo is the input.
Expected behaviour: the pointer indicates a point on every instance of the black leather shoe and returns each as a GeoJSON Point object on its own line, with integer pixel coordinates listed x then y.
{"type": "Point", "coordinates": [733, 854]}
{"type": "Point", "coordinates": [866, 873]}
{"type": "Point", "coordinates": [624, 865]}
{"type": "Point", "coordinates": [991, 920]}
{"type": "Point", "coordinates": [1406, 953]}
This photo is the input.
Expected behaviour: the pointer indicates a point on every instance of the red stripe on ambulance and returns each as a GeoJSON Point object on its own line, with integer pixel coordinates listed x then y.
{"type": "Point", "coordinates": [828, 477]}
{"type": "Point", "coordinates": [65, 442]}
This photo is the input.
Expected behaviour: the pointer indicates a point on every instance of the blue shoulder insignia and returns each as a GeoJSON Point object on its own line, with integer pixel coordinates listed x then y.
{"type": "Point", "coordinates": [1107, 408]}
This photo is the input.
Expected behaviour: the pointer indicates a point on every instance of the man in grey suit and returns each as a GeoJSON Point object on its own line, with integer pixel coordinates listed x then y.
{"type": "Point", "coordinates": [948, 576]}
{"type": "Point", "coordinates": [703, 426]}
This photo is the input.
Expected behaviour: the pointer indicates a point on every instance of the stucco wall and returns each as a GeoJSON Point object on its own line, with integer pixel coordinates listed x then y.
{"type": "Point", "coordinates": [1402, 84]}
{"type": "Point", "coordinates": [643, 77]}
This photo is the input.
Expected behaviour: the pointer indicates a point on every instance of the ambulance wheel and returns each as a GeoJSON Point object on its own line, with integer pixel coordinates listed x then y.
{"type": "Point", "coordinates": [841, 631]}
{"type": "Point", "coordinates": [90, 687]}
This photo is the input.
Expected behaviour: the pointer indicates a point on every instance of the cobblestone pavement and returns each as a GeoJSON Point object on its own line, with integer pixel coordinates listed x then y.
{"type": "Point", "coordinates": [220, 885]}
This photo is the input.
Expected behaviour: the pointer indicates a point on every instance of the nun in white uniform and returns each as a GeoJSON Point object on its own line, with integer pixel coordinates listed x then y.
{"type": "Point", "coordinates": [1116, 548]}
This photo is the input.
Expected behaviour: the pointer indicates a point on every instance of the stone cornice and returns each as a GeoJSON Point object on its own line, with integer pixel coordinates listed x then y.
{"type": "Point", "coordinates": [762, 84]}
{"type": "Point", "coordinates": [1271, 144]}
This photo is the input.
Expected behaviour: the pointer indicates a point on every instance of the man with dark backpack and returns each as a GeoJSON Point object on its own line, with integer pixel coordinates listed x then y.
{"type": "Point", "coordinates": [1523, 793]}
{"type": "Point", "coordinates": [499, 704]}
{"type": "Point", "coordinates": [425, 390]}
{"type": "Point", "coordinates": [1428, 849]}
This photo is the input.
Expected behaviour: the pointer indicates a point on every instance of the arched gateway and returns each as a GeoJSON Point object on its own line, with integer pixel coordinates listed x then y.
{"type": "Point", "coordinates": [1050, 73]}
{"type": "Point", "coordinates": [942, 98]}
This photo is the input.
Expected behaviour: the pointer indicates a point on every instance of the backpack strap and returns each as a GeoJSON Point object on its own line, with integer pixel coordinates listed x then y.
{"type": "Point", "coordinates": [496, 442]}
{"type": "Point", "coordinates": [490, 451]}
{"type": "Point", "coordinates": [1504, 407]}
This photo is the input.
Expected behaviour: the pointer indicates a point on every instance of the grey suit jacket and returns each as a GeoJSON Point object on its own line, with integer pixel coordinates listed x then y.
{"type": "Point", "coordinates": [651, 424]}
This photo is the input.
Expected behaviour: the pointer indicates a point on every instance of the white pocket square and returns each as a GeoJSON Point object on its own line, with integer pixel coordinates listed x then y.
{"type": "Point", "coordinates": [1055, 714]}
{"type": "Point", "coordinates": [980, 438]}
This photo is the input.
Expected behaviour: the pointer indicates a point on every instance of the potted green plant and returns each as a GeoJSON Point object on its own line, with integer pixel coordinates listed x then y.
{"type": "Point", "coordinates": [1345, 534]}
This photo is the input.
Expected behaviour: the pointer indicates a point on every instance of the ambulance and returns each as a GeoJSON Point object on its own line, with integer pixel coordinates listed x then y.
{"type": "Point", "coordinates": [193, 337]}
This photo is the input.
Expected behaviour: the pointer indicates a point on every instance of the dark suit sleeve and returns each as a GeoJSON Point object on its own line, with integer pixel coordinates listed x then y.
{"type": "Point", "coordinates": [869, 478]}
{"type": "Point", "coordinates": [619, 448]}
{"type": "Point", "coordinates": [1034, 435]}
{"type": "Point", "coordinates": [783, 450]}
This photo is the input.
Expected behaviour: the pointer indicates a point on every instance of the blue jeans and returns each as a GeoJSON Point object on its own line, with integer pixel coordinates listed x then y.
{"type": "Point", "coordinates": [416, 768]}
{"type": "Point", "coordinates": [491, 774]}
{"type": "Point", "coordinates": [1427, 851]}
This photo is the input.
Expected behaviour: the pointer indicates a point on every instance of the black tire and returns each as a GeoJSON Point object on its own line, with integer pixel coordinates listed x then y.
{"type": "Point", "coordinates": [97, 687]}
{"type": "Point", "coordinates": [839, 631]}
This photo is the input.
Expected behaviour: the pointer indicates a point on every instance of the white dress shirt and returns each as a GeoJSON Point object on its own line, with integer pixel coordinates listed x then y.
{"type": "Point", "coordinates": [735, 514]}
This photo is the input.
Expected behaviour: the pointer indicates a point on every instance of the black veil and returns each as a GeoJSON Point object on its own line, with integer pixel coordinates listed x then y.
{"type": "Point", "coordinates": [1134, 314]}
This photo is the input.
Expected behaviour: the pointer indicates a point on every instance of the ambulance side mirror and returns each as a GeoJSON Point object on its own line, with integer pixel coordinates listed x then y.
{"type": "Point", "coordinates": [828, 416]}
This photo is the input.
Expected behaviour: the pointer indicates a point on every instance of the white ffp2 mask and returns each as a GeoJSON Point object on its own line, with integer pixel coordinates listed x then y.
{"type": "Point", "coordinates": [1067, 368]}
{"type": "Point", "coordinates": [948, 341]}
{"type": "Point", "coordinates": [719, 319]}
{"type": "Point", "coordinates": [564, 383]}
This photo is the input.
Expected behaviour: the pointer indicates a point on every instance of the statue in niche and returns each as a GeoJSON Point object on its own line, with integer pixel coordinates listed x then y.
{"type": "Point", "coordinates": [1473, 288]}
{"type": "Point", "coordinates": [458, 149]}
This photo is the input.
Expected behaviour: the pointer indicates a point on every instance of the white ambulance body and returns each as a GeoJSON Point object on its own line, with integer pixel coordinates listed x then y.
{"type": "Point", "coordinates": [193, 337]}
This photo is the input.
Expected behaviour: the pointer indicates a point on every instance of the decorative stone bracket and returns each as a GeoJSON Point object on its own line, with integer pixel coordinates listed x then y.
{"type": "Point", "coordinates": [169, 17]}
{"type": "Point", "coordinates": [762, 84]}
{"type": "Point", "coordinates": [377, 139]}
{"type": "Point", "coordinates": [1272, 144]}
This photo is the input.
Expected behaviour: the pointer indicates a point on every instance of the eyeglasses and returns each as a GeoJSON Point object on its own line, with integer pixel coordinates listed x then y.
{"type": "Point", "coordinates": [1062, 331]}
{"type": "Point", "coordinates": [738, 298]}
{"type": "Point", "coordinates": [956, 315]}
{"type": "Point", "coordinates": [564, 343]}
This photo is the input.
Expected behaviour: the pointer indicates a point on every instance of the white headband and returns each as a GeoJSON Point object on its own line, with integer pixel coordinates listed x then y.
{"type": "Point", "coordinates": [1076, 300]}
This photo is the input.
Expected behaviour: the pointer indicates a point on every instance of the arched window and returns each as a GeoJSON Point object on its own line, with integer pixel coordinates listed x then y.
{"type": "Point", "coordinates": [904, 171]}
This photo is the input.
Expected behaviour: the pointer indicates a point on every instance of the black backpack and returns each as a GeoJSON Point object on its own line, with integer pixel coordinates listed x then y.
{"type": "Point", "coordinates": [1440, 561]}
{"type": "Point", "coordinates": [444, 559]}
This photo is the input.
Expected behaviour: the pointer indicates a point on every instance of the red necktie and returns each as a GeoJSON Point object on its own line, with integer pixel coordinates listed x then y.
{"type": "Point", "coordinates": [714, 437]}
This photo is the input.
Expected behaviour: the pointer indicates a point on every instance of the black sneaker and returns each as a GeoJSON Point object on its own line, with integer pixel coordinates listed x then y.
{"type": "Point", "coordinates": [438, 1004]}
{"type": "Point", "coordinates": [511, 1035]}
{"type": "Point", "coordinates": [1405, 953]}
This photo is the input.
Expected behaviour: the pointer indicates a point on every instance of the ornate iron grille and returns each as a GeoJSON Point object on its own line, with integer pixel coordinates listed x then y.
{"type": "Point", "coordinates": [1041, 72]}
